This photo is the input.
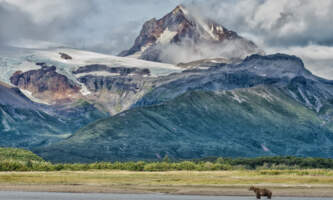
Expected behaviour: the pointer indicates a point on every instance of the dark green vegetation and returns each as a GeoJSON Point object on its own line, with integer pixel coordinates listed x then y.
{"type": "Point", "coordinates": [22, 160]}
{"type": "Point", "coordinates": [258, 121]}
{"type": "Point", "coordinates": [28, 128]}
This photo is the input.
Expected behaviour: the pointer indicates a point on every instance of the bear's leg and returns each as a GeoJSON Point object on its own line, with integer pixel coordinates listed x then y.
{"type": "Point", "coordinates": [269, 196]}
{"type": "Point", "coordinates": [258, 196]}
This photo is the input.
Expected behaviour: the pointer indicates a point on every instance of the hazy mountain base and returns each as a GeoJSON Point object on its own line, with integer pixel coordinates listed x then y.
{"type": "Point", "coordinates": [258, 121]}
{"type": "Point", "coordinates": [28, 128]}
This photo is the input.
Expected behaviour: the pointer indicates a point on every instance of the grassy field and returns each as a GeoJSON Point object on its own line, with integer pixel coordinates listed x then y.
{"type": "Point", "coordinates": [243, 177]}
{"type": "Point", "coordinates": [283, 182]}
{"type": "Point", "coordinates": [22, 170]}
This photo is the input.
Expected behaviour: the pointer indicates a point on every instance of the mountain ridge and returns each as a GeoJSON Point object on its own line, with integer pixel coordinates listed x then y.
{"type": "Point", "coordinates": [264, 106]}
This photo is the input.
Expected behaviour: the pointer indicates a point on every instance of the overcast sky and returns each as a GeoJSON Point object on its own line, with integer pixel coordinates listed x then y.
{"type": "Point", "coordinates": [300, 27]}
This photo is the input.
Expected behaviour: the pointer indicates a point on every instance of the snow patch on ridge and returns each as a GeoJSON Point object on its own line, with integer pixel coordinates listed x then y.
{"type": "Point", "coordinates": [166, 36]}
{"type": "Point", "coordinates": [307, 102]}
{"type": "Point", "coordinates": [97, 73]}
{"type": "Point", "coordinates": [84, 90]}
{"type": "Point", "coordinates": [31, 97]}
{"type": "Point", "coordinates": [138, 54]}
{"type": "Point", "coordinates": [264, 94]}
{"type": "Point", "coordinates": [319, 105]}
{"type": "Point", "coordinates": [206, 28]}
{"type": "Point", "coordinates": [81, 58]}
{"type": "Point", "coordinates": [237, 98]}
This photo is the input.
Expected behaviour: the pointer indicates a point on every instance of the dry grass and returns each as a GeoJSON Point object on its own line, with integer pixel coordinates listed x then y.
{"type": "Point", "coordinates": [211, 178]}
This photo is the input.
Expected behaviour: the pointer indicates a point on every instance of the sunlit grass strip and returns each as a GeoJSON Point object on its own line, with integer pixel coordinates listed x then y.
{"type": "Point", "coordinates": [239, 177]}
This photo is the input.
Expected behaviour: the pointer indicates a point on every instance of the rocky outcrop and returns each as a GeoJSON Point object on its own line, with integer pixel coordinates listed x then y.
{"type": "Point", "coordinates": [120, 71]}
{"type": "Point", "coordinates": [115, 88]}
{"type": "Point", "coordinates": [46, 84]}
{"type": "Point", "coordinates": [65, 56]}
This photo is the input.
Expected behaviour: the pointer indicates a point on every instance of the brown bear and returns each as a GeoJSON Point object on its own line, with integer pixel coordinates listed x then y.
{"type": "Point", "coordinates": [261, 192]}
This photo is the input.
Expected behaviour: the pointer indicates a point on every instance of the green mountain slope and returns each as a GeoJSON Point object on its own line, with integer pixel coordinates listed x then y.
{"type": "Point", "coordinates": [20, 155]}
{"type": "Point", "coordinates": [257, 121]}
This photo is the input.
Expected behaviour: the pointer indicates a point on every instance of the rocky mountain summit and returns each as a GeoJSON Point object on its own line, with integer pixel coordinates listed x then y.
{"type": "Point", "coordinates": [180, 30]}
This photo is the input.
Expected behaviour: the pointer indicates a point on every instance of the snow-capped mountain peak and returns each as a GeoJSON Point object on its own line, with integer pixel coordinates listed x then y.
{"type": "Point", "coordinates": [182, 28]}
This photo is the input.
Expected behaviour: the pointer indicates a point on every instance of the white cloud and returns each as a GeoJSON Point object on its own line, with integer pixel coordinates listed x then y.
{"type": "Point", "coordinates": [101, 25]}
{"type": "Point", "coordinates": [43, 12]}
{"type": "Point", "coordinates": [283, 22]}
{"type": "Point", "coordinates": [317, 58]}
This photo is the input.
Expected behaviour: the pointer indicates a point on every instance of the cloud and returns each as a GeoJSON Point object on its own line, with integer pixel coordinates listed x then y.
{"type": "Point", "coordinates": [188, 51]}
{"type": "Point", "coordinates": [100, 25]}
{"type": "Point", "coordinates": [276, 23]}
{"type": "Point", "coordinates": [317, 58]}
{"type": "Point", "coordinates": [11, 22]}
{"type": "Point", "coordinates": [35, 20]}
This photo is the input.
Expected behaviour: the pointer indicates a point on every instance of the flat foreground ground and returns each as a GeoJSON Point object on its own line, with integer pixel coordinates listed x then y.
{"type": "Point", "coordinates": [108, 196]}
{"type": "Point", "coordinates": [297, 183]}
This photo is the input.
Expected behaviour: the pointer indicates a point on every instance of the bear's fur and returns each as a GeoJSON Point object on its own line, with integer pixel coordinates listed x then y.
{"type": "Point", "coordinates": [261, 192]}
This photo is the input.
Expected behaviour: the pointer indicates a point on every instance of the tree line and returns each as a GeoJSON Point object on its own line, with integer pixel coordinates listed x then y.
{"type": "Point", "coordinates": [206, 164]}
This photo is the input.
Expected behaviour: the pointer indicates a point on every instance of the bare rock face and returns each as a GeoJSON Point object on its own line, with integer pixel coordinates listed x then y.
{"type": "Point", "coordinates": [180, 29]}
{"type": "Point", "coordinates": [65, 56]}
{"type": "Point", "coordinates": [46, 84]}
{"type": "Point", "coordinates": [114, 88]}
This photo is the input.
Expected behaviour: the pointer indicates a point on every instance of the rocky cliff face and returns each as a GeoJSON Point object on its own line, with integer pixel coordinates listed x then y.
{"type": "Point", "coordinates": [180, 29]}
{"type": "Point", "coordinates": [114, 88]}
{"type": "Point", "coordinates": [46, 84]}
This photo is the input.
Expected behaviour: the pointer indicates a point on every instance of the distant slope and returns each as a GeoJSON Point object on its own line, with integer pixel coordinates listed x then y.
{"type": "Point", "coordinates": [24, 123]}
{"type": "Point", "coordinates": [258, 121]}
{"type": "Point", "coordinates": [13, 96]}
